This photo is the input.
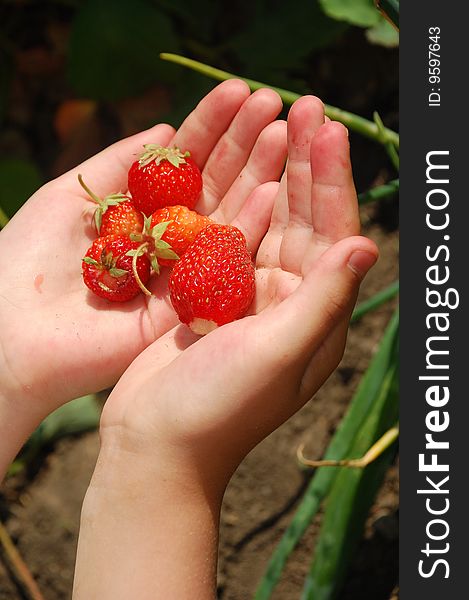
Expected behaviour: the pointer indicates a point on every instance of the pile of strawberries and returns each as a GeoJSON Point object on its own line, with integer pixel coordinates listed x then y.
{"type": "Point", "coordinates": [212, 275]}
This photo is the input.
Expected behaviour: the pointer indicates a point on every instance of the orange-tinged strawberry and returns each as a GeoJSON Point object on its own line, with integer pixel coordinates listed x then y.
{"type": "Point", "coordinates": [164, 177]}
{"type": "Point", "coordinates": [115, 214]}
{"type": "Point", "coordinates": [214, 282]}
{"type": "Point", "coordinates": [182, 230]}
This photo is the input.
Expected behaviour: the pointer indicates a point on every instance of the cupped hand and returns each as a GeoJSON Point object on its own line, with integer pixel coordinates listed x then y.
{"type": "Point", "coordinates": [200, 404]}
{"type": "Point", "coordinates": [57, 340]}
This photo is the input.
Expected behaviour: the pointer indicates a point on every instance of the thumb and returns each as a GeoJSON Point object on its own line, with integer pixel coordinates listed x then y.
{"type": "Point", "coordinates": [326, 296]}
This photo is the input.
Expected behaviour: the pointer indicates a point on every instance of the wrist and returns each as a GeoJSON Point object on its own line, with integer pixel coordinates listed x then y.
{"type": "Point", "coordinates": [16, 425]}
{"type": "Point", "coordinates": [128, 460]}
{"type": "Point", "coordinates": [149, 525]}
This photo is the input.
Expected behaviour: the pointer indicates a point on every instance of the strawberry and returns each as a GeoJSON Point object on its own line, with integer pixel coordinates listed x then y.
{"type": "Point", "coordinates": [113, 268]}
{"type": "Point", "coordinates": [184, 225]}
{"type": "Point", "coordinates": [115, 214]}
{"type": "Point", "coordinates": [213, 283]}
{"type": "Point", "coordinates": [164, 177]}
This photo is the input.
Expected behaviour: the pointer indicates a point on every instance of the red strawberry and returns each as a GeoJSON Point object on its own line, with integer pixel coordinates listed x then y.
{"type": "Point", "coordinates": [108, 268]}
{"type": "Point", "coordinates": [213, 283]}
{"type": "Point", "coordinates": [184, 225]}
{"type": "Point", "coordinates": [164, 177]}
{"type": "Point", "coordinates": [115, 214]}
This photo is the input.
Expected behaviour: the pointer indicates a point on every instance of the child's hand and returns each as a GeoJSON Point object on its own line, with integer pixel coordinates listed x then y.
{"type": "Point", "coordinates": [212, 399]}
{"type": "Point", "coordinates": [188, 409]}
{"type": "Point", "coordinates": [60, 342]}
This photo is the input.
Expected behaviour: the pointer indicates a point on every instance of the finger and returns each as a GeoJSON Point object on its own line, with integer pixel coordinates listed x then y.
{"type": "Point", "coordinates": [266, 163]}
{"type": "Point", "coordinates": [325, 359]}
{"type": "Point", "coordinates": [202, 129]}
{"type": "Point", "coordinates": [334, 205]}
{"type": "Point", "coordinates": [107, 171]}
{"type": "Point", "coordinates": [304, 120]}
{"type": "Point", "coordinates": [268, 255]}
{"type": "Point", "coordinates": [233, 149]}
{"type": "Point", "coordinates": [254, 217]}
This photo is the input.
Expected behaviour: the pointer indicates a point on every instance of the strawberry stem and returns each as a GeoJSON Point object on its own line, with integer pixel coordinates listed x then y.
{"type": "Point", "coordinates": [90, 193]}
{"type": "Point", "coordinates": [137, 253]}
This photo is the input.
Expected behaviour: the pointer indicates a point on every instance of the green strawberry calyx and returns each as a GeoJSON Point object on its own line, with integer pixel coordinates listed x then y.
{"type": "Point", "coordinates": [108, 263]}
{"type": "Point", "coordinates": [103, 203]}
{"type": "Point", "coordinates": [155, 247]}
{"type": "Point", "coordinates": [156, 153]}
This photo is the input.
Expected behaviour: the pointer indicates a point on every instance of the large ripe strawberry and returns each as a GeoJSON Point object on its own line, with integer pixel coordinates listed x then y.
{"type": "Point", "coordinates": [164, 177]}
{"type": "Point", "coordinates": [184, 225]}
{"type": "Point", "coordinates": [214, 282]}
{"type": "Point", "coordinates": [109, 268]}
{"type": "Point", "coordinates": [115, 214]}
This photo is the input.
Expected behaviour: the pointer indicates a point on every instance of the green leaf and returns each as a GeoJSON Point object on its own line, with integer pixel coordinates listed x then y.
{"type": "Point", "coordinates": [390, 9]}
{"type": "Point", "coordinates": [356, 12]}
{"type": "Point", "coordinates": [383, 34]}
{"type": "Point", "coordinates": [18, 180]}
{"type": "Point", "coordinates": [278, 37]}
{"type": "Point", "coordinates": [114, 47]}
{"type": "Point", "coordinates": [375, 301]}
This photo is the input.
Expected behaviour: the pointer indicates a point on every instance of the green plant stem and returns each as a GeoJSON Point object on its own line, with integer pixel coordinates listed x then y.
{"type": "Point", "coordinates": [3, 218]}
{"type": "Point", "coordinates": [375, 301]}
{"type": "Point", "coordinates": [390, 148]}
{"type": "Point", "coordinates": [339, 447]}
{"type": "Point", "coordinates": [379, 193]}
{"type": "Point", "coordinates": [350, 120]}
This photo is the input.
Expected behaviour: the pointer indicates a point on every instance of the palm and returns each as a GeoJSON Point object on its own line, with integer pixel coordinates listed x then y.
{"type": "Point", "coordinates": [84, 342]}
{"type": "Point", "coordinates": [251, 375]}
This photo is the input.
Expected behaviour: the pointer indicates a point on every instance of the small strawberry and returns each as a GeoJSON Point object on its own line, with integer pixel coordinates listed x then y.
{"type": "Point", "coordinates": [214, 282]}
{"type": "Point", "coordinates": [181, 232]}
{"type": "Point", "coordinates": [113, 269]}
{"type": "Point", "coordinates": [115, 214]}
{"type": "Point", "coordinates": [164, 177]}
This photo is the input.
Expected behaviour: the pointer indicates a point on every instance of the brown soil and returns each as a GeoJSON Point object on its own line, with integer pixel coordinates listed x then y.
{"type": "Point", "coordinates": [43, 518]}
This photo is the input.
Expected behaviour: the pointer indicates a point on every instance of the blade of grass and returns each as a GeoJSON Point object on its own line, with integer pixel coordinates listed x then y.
{"type": "Point", "coordinates": [350, 120]}
{"type": "Point", "coordinates": [379, 193]}
{"type": "Point", "coordinates": [350, 499]}
{"type": "Point", "coordinates": [375, 301]}
{"type": "Point", "coordinates": [339, 447]}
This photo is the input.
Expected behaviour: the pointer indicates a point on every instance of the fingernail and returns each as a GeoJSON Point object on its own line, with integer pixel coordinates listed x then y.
{"type": "Point", "coordinates": [361, 262]}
